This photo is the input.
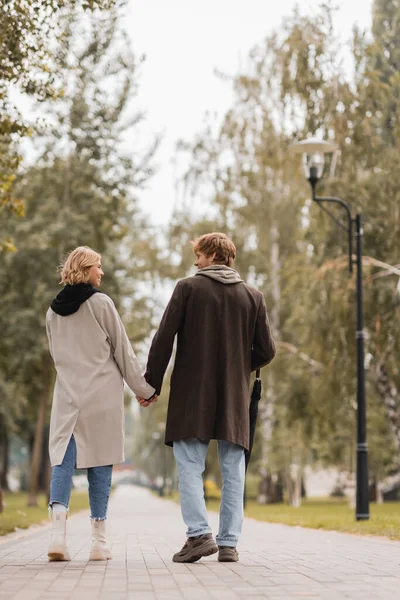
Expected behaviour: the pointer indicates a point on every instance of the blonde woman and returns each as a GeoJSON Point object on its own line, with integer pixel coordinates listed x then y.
{"type": "Point", "coordinates": [92, 356]}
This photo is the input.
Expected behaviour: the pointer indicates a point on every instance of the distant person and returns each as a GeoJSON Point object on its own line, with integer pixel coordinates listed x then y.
{"type": "Point", "coordinates": [223, 335]}
{"type": "Point", "coordinates": [92, 356]}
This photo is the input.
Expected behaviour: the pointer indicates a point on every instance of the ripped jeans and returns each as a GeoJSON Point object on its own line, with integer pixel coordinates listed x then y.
{"type": "Point", "coordinates": [99, 479]}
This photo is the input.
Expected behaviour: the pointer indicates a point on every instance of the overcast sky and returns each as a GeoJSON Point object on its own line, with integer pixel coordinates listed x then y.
{"type": "Point", "coordinates": [184, 42]}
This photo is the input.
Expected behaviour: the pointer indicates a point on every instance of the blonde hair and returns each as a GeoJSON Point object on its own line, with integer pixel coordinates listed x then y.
{"type": "Point", "coordinates": [76, 267]}
{"type": "Point", "coordinates": [218, 244]}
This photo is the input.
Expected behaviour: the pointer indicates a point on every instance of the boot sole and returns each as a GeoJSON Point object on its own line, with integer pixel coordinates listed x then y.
{"type": "Point", "coordinates": [197, 554]}
{"type": "Point", "coordinates": [99, 552]}
{"type": "Point", "coordinates": [57, 556]}
{"type": "Point", "coordinates": [99, 557]}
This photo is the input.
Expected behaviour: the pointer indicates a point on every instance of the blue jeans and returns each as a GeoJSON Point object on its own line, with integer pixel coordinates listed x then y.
{"type": "Point", "coordinates": [190, 456]}
{"type": "Point", "coordinates": [99, 479]}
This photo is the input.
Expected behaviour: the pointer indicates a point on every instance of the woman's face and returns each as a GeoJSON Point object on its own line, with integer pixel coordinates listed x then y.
{"type": "Point", "coordinates": [95, 275]}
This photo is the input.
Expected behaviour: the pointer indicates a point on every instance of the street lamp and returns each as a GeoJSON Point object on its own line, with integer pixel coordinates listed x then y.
{"type": "Point", "coordinates": [314, 151]}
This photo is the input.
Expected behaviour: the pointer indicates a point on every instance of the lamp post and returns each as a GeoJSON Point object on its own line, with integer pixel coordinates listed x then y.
{"type": "Point", "coordinates": [313, 151]}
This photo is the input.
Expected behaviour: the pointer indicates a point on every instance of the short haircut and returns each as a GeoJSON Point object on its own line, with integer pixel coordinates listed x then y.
{"type": "Point", "coordinates": [218, 244]}
{"type": "Point", "coordinates": [76, 267]}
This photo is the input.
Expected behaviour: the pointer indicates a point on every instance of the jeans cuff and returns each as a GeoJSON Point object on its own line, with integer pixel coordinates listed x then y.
{"type": "Point", "coordinates": [57, 502]}
{"type": "Point", "coordinates": [230, 542]}
{"type": "Point", "coordinates": [198, 532]}
{"type": "Point", "coordinates": [98, 518]}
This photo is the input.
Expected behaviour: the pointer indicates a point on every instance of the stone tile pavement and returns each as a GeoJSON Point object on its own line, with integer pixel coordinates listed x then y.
{"type": "Point", "coordinates": [276, 561]}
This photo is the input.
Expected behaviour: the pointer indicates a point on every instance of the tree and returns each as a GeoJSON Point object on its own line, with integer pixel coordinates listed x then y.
{"type": "Point", "coordinates": [79, 192]}
{"type": "Point", "coordinates": [27, 29]}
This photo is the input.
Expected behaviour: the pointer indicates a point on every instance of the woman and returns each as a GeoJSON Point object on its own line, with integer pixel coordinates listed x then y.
{"type": "Point", "coordinates": [92, 356]}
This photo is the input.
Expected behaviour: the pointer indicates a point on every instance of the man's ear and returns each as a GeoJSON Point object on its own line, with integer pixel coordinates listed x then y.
{"type": "Point", "coordinates": [213, 256]}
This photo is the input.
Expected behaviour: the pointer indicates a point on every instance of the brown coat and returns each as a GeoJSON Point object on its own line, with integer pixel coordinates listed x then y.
{"type": "Point", "coordinates": [223, 335]}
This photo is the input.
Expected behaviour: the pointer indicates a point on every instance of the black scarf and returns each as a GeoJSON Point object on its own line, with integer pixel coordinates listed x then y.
{"type": "Point", "coordinates": [71, 297]}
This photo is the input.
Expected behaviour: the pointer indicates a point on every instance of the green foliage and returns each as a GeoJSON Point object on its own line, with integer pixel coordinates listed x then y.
{"type": "Point", "coordinates": [27, 33]}
{"type": "Point", "coordinates": [17, 515]}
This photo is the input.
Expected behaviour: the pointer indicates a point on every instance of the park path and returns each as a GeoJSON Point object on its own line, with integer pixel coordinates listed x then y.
{"type": "Point", "coordinates": [276, 561]}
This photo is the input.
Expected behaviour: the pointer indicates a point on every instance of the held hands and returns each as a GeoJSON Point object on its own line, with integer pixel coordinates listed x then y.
{"type": "Point", "coordinates": [143, 402]}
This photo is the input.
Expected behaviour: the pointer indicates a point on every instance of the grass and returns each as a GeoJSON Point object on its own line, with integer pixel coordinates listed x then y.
{"type": "Point", "coordinates": [17, 515]}
{"type": "Point", "coordinates": [328, 513]}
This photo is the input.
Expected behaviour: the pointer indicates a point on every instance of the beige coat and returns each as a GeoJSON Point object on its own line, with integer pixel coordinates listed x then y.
{"type": "Point", "coordinates": [92, 355]}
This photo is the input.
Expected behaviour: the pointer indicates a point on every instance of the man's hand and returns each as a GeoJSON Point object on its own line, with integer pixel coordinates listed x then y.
{"type": "Point", "coordinates": [144, 402]}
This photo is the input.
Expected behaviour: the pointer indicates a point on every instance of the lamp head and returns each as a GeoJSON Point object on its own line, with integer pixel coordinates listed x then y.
{"type": "Point", "coordinates": [313, 151]}
{"type": "Point", "coordinates": [313, 165]}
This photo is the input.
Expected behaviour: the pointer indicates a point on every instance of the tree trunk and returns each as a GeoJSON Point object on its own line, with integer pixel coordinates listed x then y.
{"type": "Point", "coordinates": [376, 490]}
{"type": "Point", "coordinates": [351, 491]}
{"type": "Point", "coordinates": [4, 462]}
{"type": "Point", "coordinates": [265, 415]}
{"type": "Point", "coordinates": [3, 459]}
{"type": "Point", "coordinates": [266, 408]}
{"type": "Point", "coordinates": [294, 470]}
{"type": "Point", "coordinates": [38, 441]}
{"type": "Point", "coordinates": [45, 468]}
{"type": "Point", "coordinates": [272, 489]}
{"type": "Point", "coordinates": [390, 396]}
{"type": "Point", "coordinates": [295, 475]}
{"type": "Point", "coordinates": [289, 486]}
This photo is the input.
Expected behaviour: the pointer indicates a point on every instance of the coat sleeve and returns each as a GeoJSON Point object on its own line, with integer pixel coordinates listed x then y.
{"type": "Point", "coordinates": [263, 350]}
{"type": "Point", "coordinates": [163, 341]}
{"type": "Point", "coordinates": [121, 348]}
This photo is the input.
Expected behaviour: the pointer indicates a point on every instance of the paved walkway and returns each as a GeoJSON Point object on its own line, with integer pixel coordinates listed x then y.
{"type": "Point", "coordinates": [275, 561]}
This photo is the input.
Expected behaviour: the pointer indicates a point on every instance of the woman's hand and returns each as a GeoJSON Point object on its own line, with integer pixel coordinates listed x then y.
{"type": "Point", "coordinates": [144, 402]}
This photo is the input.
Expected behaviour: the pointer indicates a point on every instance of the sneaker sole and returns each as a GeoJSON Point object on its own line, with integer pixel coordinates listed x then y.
{"type": "Point", "coordinates": [228, 559]}
{"type": "Point", "coordinates": [197, 554]}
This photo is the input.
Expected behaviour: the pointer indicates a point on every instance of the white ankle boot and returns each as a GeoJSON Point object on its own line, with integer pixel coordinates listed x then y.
{"type": "Point", "coordinates": [58, 547]}
{"type": "Point", "coordinates": [99, 549]}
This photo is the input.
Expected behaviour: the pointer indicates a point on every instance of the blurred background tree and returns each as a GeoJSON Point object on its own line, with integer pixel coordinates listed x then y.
{"type": "Point", "coordinates": [27, 28]}
{"type": "Point", "coordinates": [81, 190]}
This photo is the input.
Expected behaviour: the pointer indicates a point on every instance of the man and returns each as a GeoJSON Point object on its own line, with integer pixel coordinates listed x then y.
{"type": "Point", "coordinates": [223, 335]}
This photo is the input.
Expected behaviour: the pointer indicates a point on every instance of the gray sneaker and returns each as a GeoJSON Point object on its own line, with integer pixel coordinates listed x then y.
{"type": "Point", "coordinates": [195, 548]}
{"type": "Point", "coordinates": [227, 554]}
